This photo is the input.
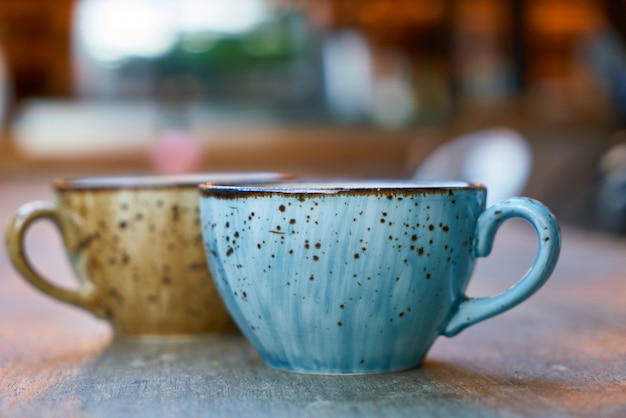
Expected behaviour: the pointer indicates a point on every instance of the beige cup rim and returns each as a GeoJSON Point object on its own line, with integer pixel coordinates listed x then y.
{"type": "Point", "coordinates": [166, 181]}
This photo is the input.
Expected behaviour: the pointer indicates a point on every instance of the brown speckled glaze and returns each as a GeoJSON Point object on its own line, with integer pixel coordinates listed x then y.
{"type": "Point", "coordinates": [138, 250]}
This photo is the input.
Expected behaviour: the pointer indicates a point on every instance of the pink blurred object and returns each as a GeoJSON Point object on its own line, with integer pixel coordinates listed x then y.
{"type": "Point", "coordinates": [176, 152]}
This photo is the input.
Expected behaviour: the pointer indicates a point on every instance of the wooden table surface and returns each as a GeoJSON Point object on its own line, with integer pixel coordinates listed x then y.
{"type": "Point", "coordinates": [560, 354]}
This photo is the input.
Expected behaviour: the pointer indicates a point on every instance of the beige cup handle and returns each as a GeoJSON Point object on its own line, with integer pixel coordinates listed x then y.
{"type": "Point", "coordinates": [84, 297]}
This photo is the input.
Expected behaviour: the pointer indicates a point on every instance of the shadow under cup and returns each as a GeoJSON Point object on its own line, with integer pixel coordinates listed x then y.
{"type": "Point", "coordinates": [359, 277]}
{"type": "Point", "coordinates": [135, 244]}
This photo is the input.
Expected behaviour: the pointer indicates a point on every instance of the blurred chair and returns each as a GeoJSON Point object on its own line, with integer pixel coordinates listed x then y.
{"type": "Point", "coordinates": [499, 158]}
{"type": "Point", "coordinates": [610, 201]}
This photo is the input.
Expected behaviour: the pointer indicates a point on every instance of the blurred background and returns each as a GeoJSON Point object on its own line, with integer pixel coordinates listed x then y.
{"type": "Point", "coordinates": [528, 96]}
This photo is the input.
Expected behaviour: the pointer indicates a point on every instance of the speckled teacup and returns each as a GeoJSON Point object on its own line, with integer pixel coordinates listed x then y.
{"type": "Point", "coordinates": [359, 277]}
{"type": "Point", "coordinates": [136, 246]}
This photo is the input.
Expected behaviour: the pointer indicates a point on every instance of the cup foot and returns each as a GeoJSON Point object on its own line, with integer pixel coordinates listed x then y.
{"type": "Point", "coordinates": [168, 338]}
{"type": "Point", "coordinates": [347, 371]}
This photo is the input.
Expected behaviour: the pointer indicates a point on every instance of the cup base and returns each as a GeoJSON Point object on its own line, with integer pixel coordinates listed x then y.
{"type": "Point", "coordinates": [168, 338]}
{"type": "Point", "coordinates": [340, 371]}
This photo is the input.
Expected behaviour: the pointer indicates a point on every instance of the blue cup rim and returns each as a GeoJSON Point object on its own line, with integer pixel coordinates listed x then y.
{"type": "Point", "coordinates": [340, 187]}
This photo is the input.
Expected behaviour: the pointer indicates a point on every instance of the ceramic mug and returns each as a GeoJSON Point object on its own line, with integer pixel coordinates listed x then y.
{"type": "Point", "coordinates": [359, 277]}
{"type": "Point", "coordinates": [135, 244]}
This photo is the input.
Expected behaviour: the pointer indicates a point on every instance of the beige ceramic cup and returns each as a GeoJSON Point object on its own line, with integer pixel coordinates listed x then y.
{"type": "Point", "coordinates": [135, 244]}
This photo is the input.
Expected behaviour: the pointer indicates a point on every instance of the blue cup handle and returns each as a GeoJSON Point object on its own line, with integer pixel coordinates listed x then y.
{"type": "Point", "coordinates": [472, 310]}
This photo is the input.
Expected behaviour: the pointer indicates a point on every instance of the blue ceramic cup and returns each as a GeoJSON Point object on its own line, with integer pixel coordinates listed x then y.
{"type": "Point", "coordinates": [344, 277]}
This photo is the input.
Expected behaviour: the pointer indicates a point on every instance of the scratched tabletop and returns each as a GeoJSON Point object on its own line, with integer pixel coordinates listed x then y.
{"type": "Point", "coordinates": [562, 353]}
